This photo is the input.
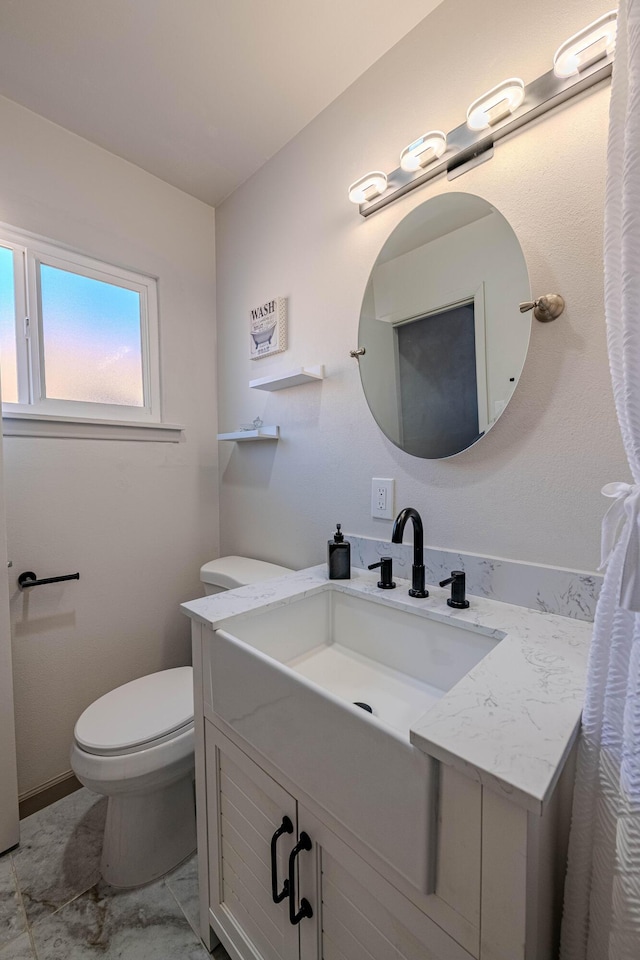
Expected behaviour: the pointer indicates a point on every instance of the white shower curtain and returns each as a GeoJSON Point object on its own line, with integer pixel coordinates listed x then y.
{"type": "Point", "coordinates": [602, 896]}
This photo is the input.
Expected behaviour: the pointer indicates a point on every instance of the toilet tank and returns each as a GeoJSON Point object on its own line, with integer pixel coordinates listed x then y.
{"type": "Point", "coordinates": [229, 572]}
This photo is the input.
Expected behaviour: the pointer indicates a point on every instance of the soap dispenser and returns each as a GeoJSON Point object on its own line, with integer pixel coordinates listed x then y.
{"type": "Point", "coordinates": [339, 556]}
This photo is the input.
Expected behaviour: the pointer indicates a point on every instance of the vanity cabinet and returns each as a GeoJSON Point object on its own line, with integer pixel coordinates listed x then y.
{"type": "Point", "coordinates": [354, 911]}
{"type": "Point", "coordinates": [495, 894]}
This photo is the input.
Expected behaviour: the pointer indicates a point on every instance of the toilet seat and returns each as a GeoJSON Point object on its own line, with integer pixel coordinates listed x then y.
{"type": "Point", "coordinates": [141, 714]}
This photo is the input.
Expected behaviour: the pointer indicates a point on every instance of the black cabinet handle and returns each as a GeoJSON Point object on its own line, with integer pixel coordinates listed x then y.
{"type": "Point", "coordinates": [304, 843]}
{"type": "Point", "coordinates": [285, 827]}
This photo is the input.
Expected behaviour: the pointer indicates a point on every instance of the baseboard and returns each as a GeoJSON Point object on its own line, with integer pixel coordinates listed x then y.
{"type": "Point", "coordinates": [47, 793]}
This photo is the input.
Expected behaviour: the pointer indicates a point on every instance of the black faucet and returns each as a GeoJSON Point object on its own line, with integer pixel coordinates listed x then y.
{"type": "Point", "coordinates": [417, 570]}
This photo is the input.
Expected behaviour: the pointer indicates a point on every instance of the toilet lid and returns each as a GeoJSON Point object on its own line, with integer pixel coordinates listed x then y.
{"type": "Point", "coordinates": [230, 572]}
{"type": "Point", "coordinates": [137, 714]}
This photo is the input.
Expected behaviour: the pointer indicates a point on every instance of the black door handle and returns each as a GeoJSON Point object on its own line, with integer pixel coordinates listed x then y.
{"type": "Point", "coordinates": [285, 827]}
{"type": "Point", "coordinates": [305, 910]}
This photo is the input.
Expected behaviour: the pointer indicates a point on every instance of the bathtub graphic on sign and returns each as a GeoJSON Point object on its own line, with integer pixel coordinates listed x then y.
{"type": "Point", "coordinates": [268, 328]}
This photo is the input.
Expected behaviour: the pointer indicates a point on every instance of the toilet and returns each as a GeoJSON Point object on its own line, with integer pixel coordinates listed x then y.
{"type": "Point", "coordinates": [135, 745]}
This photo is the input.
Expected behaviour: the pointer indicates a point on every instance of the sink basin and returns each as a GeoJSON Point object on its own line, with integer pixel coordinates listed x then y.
{"type": "Point", "coordinates": [287, 680]}
{"type": "Point", "coordinates": [359, 650]}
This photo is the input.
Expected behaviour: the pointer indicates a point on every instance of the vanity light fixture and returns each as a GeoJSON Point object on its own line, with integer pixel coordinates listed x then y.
{"type": "Point", "coordinates": [579, 63]}
{"type": "Point", "coordinates": [423, 151]}
{"type": "Point", "coordinates": [496, 104]}
{"type": "Point", "coordinates": [585, 48]}
{"type": "Point", "coordinates": [368, 187]}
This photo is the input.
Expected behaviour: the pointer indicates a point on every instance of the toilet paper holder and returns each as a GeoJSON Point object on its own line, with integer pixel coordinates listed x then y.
{"type": "Point", "coordinates": [29, 579]}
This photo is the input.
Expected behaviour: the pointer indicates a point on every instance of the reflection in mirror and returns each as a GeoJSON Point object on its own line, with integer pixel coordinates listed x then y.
{"type": "Point", "coordinates": [445, 340]}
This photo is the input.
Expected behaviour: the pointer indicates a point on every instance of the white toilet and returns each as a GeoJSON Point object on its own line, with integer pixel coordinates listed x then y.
{"type": "Point", "coordinates": [135, 746]}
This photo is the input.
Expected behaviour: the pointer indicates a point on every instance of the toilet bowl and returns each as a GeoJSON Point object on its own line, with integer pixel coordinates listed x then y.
{"type": "Point", "coordinates": [135, 745]}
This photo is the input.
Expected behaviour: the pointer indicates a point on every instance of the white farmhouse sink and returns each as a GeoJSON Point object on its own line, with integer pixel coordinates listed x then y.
{"type": "Point", "coordinates": [286, 680]}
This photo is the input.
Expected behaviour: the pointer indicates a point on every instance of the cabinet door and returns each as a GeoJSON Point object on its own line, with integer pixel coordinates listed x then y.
{"type": "Point", "coordinates": [357, 914]}
{"type": "Point", "coordinates": [245, 807]}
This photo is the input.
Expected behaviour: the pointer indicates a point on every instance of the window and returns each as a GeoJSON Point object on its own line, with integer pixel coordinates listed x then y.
{"type": "Point", "coordinates": [78, 338]}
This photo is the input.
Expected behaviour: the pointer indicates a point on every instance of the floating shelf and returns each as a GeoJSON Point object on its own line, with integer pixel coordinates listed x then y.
{"type": "Point", "coordinates": [292, 378]}
{"type": "Point", "coordinates": [262, 433]}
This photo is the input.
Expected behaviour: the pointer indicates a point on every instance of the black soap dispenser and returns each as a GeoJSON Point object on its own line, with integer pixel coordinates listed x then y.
{"type": "Point", "coordinates": [339, 556]}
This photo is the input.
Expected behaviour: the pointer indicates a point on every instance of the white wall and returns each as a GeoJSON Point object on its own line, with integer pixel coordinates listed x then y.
{"type": "Point", "coordinates": [135, 518]}
{"type": "Point", "coordinates": [531, 489]}
{"type": "Point", "coordinates": [480, 256]}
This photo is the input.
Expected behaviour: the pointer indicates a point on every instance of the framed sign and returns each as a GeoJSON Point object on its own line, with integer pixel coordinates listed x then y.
{"type": "Point", "coordinates": [268, 328]}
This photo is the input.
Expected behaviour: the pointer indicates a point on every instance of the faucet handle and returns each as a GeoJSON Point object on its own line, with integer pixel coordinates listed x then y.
{"type": "Point", "coordinates": [386, 581]}
{"type": "Point", "coordinates": [458, 589]}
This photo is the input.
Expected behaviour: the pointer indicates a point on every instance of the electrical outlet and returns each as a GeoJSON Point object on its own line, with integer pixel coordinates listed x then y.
{"type": "Point", "coordinates": [382, 498]}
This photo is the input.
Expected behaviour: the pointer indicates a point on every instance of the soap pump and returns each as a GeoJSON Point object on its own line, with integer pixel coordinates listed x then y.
{"type": "Point", "coordinates": [339, 556]}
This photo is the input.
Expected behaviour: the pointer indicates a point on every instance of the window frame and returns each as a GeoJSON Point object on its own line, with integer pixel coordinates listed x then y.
{"type": "Point", "coordinates": [21, 310]}
{"type": "Point", "coordinates": [30, 252]}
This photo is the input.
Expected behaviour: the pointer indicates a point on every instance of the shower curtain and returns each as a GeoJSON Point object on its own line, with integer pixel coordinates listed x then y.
{"type": "Point", "coordinates": [602, 895]}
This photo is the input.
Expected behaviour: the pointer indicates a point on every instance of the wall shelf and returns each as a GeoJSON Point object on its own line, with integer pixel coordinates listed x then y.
{"type": "Point", "coordinates": [262, 433]}
{"type": "Point", "coordinates": [292, 378]}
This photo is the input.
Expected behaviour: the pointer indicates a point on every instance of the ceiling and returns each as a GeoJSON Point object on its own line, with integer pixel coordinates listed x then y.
{"type": "Point", "coordinates": [200, 93]}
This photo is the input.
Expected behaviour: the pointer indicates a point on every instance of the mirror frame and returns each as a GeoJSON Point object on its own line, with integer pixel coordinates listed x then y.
{"type": "Point", "coordinates": [477, 261]}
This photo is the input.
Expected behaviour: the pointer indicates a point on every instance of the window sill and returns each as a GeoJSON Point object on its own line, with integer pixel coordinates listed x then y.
{"type": "Point", "coordinates": [42, 425]}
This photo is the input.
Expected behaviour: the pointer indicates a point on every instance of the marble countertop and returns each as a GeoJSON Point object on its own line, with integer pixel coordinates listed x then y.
{"type": "Point", "coordinates": [511, 721]}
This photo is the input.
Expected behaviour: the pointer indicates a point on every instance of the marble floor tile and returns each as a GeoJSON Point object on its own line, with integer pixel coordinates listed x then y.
{"type": "Point", "coordinates": [59, 853]}
{"type": "Point", "coordinates": [183, 883]}
{"type": "Point", "coordinates": [18, 949]}
{"type": "Point", "coordinates": [71, 914]}
{"type": "Point", "coordinates": [12, 918]}
{"type": "Point", "coordinates": [142, 924]}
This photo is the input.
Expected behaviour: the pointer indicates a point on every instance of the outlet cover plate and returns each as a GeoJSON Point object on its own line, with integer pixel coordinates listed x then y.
{"type": "Point", "coordinates": [382, 497]}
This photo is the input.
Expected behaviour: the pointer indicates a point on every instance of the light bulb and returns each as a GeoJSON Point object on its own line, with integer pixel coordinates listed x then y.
{"type": "Point", "coordinates": [368, 187]}
{"type": "Point", "coordinates": [595, 42]}
{"type": "Point", "coordinates": [423, 151]}
{"type": "Point", "coordinates": [496, 104]}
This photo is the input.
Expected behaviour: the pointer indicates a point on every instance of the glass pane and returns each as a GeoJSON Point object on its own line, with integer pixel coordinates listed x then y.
{"type": "Point", "coordinates": [91, 339]}
{"type": "Point", "coordinates": [8, 360]}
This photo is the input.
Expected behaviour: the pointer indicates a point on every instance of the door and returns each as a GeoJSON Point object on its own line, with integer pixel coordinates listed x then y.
{"type": "Point", "coordinates": [8, 773]}
{"type": "Point", "coordinates": [356, 913]}
{"type": "Point", "coordinates": [245, 813]}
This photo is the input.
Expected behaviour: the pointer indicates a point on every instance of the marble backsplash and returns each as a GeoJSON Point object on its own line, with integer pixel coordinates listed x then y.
{"type": "Point", "coordinates": [569, 593]}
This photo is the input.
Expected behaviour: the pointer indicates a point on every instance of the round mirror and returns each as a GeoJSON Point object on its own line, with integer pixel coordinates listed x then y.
{"type": "Point", "coordinates": [444, 338]}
